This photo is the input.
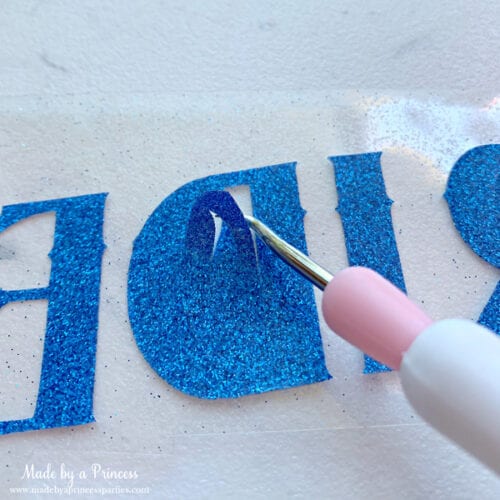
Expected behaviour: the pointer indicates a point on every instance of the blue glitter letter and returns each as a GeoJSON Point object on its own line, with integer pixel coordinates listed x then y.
{"type": "Point", "coordinates": [365, 210]}
{"type": "Point", "coordinates": [472, 194]}
{"type": "Point", "coordinates": [223, 325]}
{"type": "Point", "coordinates": [67, 377]}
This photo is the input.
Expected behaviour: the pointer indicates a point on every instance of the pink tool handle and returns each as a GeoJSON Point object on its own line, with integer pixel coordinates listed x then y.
{"type": "Point", "coordinates": [371, 313]}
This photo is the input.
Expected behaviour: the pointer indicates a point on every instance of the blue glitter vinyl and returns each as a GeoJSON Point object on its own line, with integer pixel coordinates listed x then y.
{"type": "Point", "coordinates": [200, 233]}
{"type": "Point", "coordinates": [238, 322]}
{"type": "Point", "coordinates": [472, 194]}
{"type": "Point", "coordinates": [67, 376]}
{"type": "Point", "coordinates": [365, 210]}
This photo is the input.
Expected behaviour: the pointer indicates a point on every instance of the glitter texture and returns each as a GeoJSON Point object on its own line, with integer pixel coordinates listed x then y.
{"type": "Point", "coordinates": [365, 210]}
{"type": "Point", "coordinates": [67, 376]}
{"type": "Point", "coordinates": [235, 323]}
{"type": "Point", "coordinates": [472, 194]}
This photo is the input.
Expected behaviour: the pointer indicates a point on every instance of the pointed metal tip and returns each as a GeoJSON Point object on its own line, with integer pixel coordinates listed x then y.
{"type": "Point", "coordinates": [289, 254]}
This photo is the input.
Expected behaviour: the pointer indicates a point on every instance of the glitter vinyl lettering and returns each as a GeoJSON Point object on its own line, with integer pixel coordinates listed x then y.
{"type": "Point", "coordinates": [365, 210]}
{"type": "Point", "coordinates": [473, 196]}
{"type": "Point", "coordinates": [67, 375]}
{"type": "Point", "coordinates": [229, 321]}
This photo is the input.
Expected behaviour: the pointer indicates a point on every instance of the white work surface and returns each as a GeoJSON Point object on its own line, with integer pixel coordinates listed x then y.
{"type": "Point", "coordinates": [136, 99]}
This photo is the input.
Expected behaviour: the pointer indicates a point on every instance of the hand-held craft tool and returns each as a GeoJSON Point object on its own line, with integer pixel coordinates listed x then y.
{"type": "Point", "coordinates": [450, 369]}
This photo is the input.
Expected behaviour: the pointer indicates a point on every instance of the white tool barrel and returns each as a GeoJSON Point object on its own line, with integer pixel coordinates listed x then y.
{"type": "Point", "coordinates": [451, 376]}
